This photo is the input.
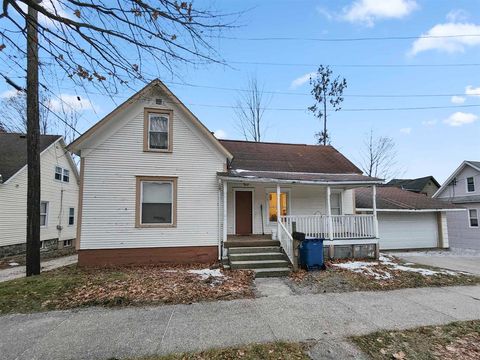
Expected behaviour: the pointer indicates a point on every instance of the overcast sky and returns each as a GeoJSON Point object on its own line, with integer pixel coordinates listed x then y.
{"type": "Point", "coordinates": [430, 141]}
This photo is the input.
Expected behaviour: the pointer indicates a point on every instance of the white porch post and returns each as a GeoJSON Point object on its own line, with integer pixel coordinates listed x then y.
{"type": "Point", "coordinates": [329, 213]}
{"type": "Point", "coordinates": [225, 195]}
{"type": "Point", "coordinates": [278, 211]}
{"type": "Point", "coordinates": [374, 207]}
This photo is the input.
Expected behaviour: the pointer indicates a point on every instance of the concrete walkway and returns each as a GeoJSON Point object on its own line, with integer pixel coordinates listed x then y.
{"type": "Point", "coordinates": [19, 271]}
{"type": "Point", "coordinates": [98, 333]}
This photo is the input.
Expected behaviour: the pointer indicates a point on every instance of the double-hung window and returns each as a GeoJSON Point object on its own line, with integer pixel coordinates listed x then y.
{"type": "Point", "coordinates": [158, 130]}
{"type": "Point", "coordinates": [336, 203]}
{"type": "Point", "coordinates": [470, 184]}
{"type": "Point", "coordinates": [473, 217]}
{"type": "Point", "coordinates": [71, 216]}
{"type": "Point", "coordinates": [62, 174]}
{"type": "Point", "coordinates": [43, 213]}
{"type": "Point", "coordinates": [156, 202]}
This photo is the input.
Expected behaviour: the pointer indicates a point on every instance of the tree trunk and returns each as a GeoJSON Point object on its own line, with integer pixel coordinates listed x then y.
{"type": "Point", "coordinates": [33, 147]}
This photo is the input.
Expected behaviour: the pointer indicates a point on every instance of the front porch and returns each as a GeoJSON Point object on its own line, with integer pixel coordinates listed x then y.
{"type": "Point", "coordinates": [276, 209]}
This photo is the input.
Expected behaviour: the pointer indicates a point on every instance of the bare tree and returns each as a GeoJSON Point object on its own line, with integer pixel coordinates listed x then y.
{"type": "Point", "coordinates": [13, 111]}
{"type": "Point", "coordinates": [249, 110]}
{"type": "Point", "coordinates": [100, 43]}
{"type": "Point", "coordinates": [379, 157]}
{"type": "Point", "coordinates": [326, 91]}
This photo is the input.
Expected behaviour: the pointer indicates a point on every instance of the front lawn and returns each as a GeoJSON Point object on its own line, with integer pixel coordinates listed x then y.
{"type": "Point", "coordinates": [270, 351]}
{"type": "Point", "coordinates": [455, 341]}
{"type": "Point", "coordinates": [388, 273]}
{"type": "Point", "coordinates": [73, 287]}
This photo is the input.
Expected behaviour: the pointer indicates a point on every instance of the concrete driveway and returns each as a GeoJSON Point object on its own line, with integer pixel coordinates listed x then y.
{"type": "Point", "coordinates": [454, 259]}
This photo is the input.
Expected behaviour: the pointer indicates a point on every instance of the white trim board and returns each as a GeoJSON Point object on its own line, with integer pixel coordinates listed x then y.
{"type": "Point", "coordinates": [409, 210]}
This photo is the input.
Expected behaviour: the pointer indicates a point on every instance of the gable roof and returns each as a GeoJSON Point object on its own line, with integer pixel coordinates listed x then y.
{"type": "Point", "coordinates": [281, 157]}
{"type": "Point", "coordinates": [416, 185]}
{"type": "Point", "coordinates": [473, 164]}
{"type": "Point", "coordinates": [76, 145]}
{"type": "Point", "coordinates": [394, 198]}
{"type": "Point", "coordinates": [13, 152]}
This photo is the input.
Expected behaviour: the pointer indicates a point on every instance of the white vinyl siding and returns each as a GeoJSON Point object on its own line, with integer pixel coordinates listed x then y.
{"type": "Point", "coordinates": [13, 204]}
{"type": "Point", "coordinates": [115, 158]}
{"type": "Point", "coordinates": [408, 230]}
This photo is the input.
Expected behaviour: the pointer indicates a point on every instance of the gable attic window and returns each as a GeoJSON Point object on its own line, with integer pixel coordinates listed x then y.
{"type": "Point", "coordinates": [62, 174]}
{"type": "Point", "coordinates": [158, 130]}
{"type": "Point", "coordinates": [470, 184]}
{"type": "Point", "coordinates": [156, 201]}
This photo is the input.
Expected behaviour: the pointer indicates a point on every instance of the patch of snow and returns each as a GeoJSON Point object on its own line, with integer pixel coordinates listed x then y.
{"type": "Point", "coordinates": [13, 264]}
{"type": "Point", "coordinates": [369, 268]}
{"type": "Point", "coordinates": [206, 273]}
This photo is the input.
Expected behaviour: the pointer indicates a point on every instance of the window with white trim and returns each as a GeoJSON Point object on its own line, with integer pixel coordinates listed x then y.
{"type": "Point", "coordinates": [336, 203]}
{"type": "Point", "coordinates": [272, 205]}
{"type": "Point", "coordinates": [43, 213]}
{"type": "Point", "coordinates": [158, 131]}
{"type": "Point", "coordinates": [71, 216]}
{"type": "Point", "coordinates": [67, 243]}
{"type": "Point", "coordinates": [62, 174]}
{"type": "Point", "coordinates": [470, 184]}
{"type": "Point", "coordinates": [157, 202]}
{"type": "Point", "coordinates": [473, 217]}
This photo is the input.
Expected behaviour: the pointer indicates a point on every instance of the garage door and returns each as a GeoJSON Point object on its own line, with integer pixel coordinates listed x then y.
{"type": "Point", "coordinates": [407, 230]}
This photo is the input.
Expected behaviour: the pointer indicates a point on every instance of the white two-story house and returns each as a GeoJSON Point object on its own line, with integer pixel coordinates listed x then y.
{"type": "Point", "coordinates": [463, 188]}
{"type": "Point", "coordinates": [59, 193]}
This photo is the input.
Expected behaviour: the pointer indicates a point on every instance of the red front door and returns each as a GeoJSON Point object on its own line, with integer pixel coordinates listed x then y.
{"type": "Point", "coordinates": [243, 212]}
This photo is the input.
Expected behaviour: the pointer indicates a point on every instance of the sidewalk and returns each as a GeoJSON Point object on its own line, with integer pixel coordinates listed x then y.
{"type": "Point", "coordinates": [98, 333]}
{"type": "Point", "coordinates": [19, 271]}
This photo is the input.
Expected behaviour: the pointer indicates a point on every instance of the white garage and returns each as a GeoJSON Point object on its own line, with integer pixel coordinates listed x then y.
{"type": "Point", "coordinates": [406, 220]}
{"type": "Point", "coordinates": [407, 230]}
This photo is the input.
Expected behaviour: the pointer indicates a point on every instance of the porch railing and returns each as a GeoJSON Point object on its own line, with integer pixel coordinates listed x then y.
{"type": "Point", "coordinates": [286, 241]}
{"type": "Point", "coordinates": [342, 226]}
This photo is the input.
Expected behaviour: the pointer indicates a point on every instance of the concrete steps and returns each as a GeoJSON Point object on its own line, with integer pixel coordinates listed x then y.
{"type": "Point", "coordinates": [263, 256]}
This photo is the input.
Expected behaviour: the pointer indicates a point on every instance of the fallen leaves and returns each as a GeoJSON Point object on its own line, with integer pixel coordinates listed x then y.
{"type": "Point", "coordinates": [465, 348]}
{"type": "Point", "coordinates": [156, 284]}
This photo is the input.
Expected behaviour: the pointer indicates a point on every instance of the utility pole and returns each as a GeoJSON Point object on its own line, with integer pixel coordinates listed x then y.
{"type": "Point", "coordinates": [33, 147]}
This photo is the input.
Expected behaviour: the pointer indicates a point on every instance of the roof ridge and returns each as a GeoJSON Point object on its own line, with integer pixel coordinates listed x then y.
{"type": "Point", "coordinates": [273, 143]}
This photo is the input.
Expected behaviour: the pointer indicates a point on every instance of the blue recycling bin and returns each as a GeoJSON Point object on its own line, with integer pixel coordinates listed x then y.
{"type": "Point", "coordinates": [311, 254]}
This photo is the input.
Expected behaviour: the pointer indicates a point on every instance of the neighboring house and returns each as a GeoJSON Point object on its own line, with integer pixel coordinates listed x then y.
{"type": "Point", "coordinates": [59, 193]}
{"type": "Point", "coordinates": [407, 220]}
{"type": "Point", "coordinates": [425, 185]}
{"type": "Point", "coordinates": [157, 186]}
{"type": "Point", "coordinates": [463, 188]}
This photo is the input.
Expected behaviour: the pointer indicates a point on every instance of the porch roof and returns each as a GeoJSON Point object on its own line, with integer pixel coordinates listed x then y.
{"type": "Point", "coordinates": [298, 177]}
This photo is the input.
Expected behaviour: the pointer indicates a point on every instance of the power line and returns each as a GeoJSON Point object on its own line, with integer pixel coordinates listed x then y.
{"type": "Point", "coordinates": [352, 39]}
{"type": "Point", "coordinates": [354, 65]}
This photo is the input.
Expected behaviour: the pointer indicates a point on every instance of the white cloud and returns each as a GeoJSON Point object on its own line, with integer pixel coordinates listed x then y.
{"type": "Point", "coordinates": [70, 102]}
{"type": "Point", "coordinates": [301, 80]}
{"type": "Point", "coordinates": [406, 130]}
{"type": "Point", "coordinates": [220, 134]}
{"type": "Point", "coordinates": [457, 99]}
{"type": "Point", "coordinates": [457, 15]}
{"type": "Point", "coordinates": [429, 122]}
{"type": "Point", "coordinates": [9, 93]}
{"type": "Point", "coordinates": [447, 44]}
{"type": "Point", "coordinates": [53, 7]}
{"type": "Point", "coordinates": [367, 12]}
{"type": "Point", "coordinates": [470, 90]}
{"type": "Point", "coordinates": [460, 118]}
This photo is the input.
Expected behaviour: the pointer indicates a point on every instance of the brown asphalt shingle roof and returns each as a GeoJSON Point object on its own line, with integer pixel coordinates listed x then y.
{"type": "Point", "coordinates": [13, 151]}
{"type": "Point", "coordinates": [300, 158]}
{"type": "Point", "coordinates": [391, 197]}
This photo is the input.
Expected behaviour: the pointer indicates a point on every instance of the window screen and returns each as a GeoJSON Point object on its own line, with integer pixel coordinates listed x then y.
{"type": "Point", "coordinates": [158, 131]}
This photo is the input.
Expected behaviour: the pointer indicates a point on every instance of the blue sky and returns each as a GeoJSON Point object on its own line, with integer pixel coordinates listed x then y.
{"type": "Point", "coordinates": [429, 142]}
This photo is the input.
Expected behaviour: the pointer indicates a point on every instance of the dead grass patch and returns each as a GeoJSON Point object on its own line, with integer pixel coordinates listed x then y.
{"type": "Point", "coordinates": [454, 341]}
{"type": "Point", "coordinates": [73, 287]}
{"type": "Point", "coordinates": [336, 279]}
{"type": "Point", "coordinates": [269, 351]}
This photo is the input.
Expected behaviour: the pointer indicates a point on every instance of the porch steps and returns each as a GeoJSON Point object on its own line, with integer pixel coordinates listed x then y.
{"type": "Point", "coordinates": [265, 257]}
